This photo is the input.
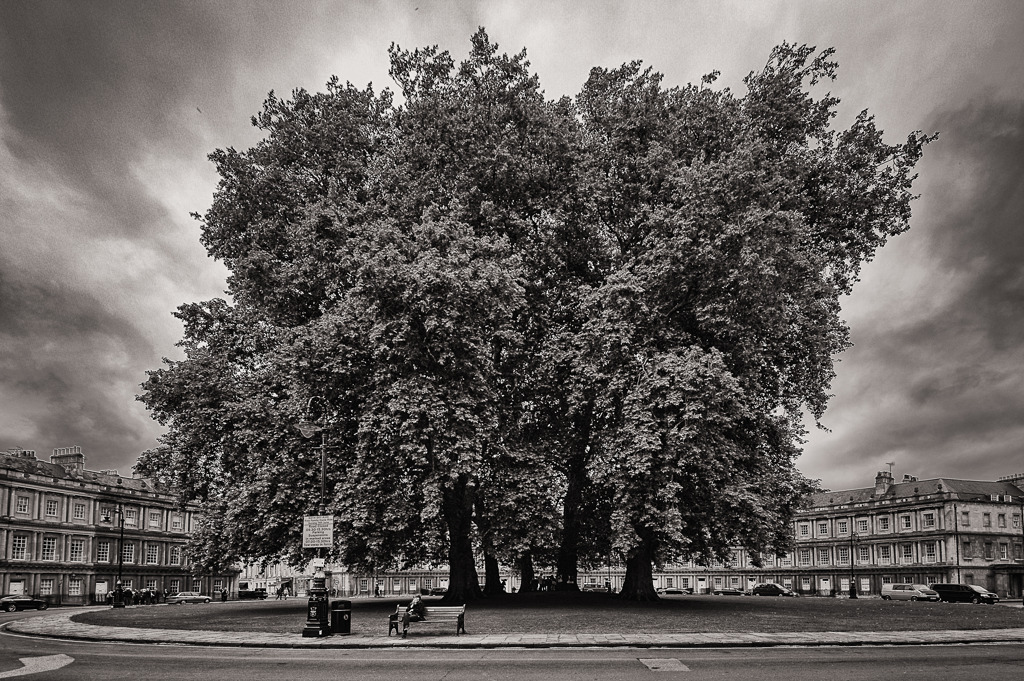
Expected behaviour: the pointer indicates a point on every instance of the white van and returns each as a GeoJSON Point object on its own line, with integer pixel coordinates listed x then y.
{"type": "Point", "coordinates": [908, 592]}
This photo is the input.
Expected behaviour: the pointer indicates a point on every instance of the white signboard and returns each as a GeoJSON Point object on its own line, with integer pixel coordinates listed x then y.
{"type": "Point", "coordinates": [317, 531]}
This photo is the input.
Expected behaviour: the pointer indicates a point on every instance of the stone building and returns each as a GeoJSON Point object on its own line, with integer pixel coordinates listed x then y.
{"type": "Point", "coordinates": [61, 532]}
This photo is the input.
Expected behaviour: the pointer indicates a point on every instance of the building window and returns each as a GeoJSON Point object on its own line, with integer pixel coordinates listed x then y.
{"type": "Point", "coordinates": [51, 508]}
{"type": "Point", "coordinates": [929, 552]}
{"type": "Point", "coordinates": [154, 520]}
{"type": "Point", "coordinates": [988, 550]}
{"type": "Point", "coordinates": [127, 583]}
{"type": "Point", "coordinates": [218, 584]}
{"type": "Point", "coordinates": [786, 560]}
{"type": "Point", "coordinates": [151, 584]}
{"type": "Point", "coordinates": [79, 511]}
{"type": "Point", "coordinates": [884, 554]}
{"type": "Point", "coordinates": [805, 529]}
{"type": "Point", "coordinates": [19, 547]}
{"type": "Point", "coordinates": [22, 504]}
{"type": "Point", "coordinates": [128, 553]}
{"type": "Point", "coordinates": [844, 555]}
{"type": "Point", "coordinates": [929, 520]}
{"type": "Point", "coordinates": [176, 522]}
{"type": "Point", "coordinates": [805, 583]}
{"type": "Point", "coordinates": [883, 524]}
{"type": "Point", "coordinates": [130, 517]}
{"type": "Point", "coordinates": [197, 585]}
{"type": "Point", "coordinates": [175, 585]}
{"type": "Point", "coordinates": [103, 552]}
{"type": "Point", "coordinates": [842, 526]}
{"type": "Point", "coordinates": [1004, 551]}
{"type": "Point", "coordinates": [823, 557]}
{"type": "Point", "coordinates": [822, 529]}
{"type": "Point", "coordinates": [864, 554]}
{"type": "Point", "coordinates": [75, 587]}
{"type": "Point", "coordinates": [805, 556]}
{"type": "Point", "coordinates": [175, 555]}
{"type": "Point", "coordinates": [76, 550]}
{"type": "Point", "coordinates": [152, 552]}
{"type": "Point", "coordinates": [1016, 520]}
{"type": "Point", "coordinates": [965, 519]}
{"type": "Point", "coordinates": [966, 550]}
{"type": "Point", "coordinates": [49, 548]}
{"type": "Point", "coordinates": [46, 586]}
{"type": "Point", "coordinates": [905, 522]}
{"type": "Point", "coordinates": [886, 579]}
{"type": "Point", "coordinates": [908, 553]}
{"type": "Point", "coordinates": [1017, 552]}
{"type": "Point", "coordinates": [986, 519]}
{"type": "Point", "coordinates": [1001, 520]}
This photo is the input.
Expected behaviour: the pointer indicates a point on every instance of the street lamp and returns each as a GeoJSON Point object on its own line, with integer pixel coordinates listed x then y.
{"type": "Point", "coordinates": [316, 612]}
{"type": "Point", "coordinates": [853, 583]}
{"type": "Point", "coordinates": [118, 593]}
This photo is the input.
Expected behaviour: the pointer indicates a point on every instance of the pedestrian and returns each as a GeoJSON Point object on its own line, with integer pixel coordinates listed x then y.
{"type": "Point", "coordinates": [223, 595]}
{"type": "Point", "coordinates": [414, 613]}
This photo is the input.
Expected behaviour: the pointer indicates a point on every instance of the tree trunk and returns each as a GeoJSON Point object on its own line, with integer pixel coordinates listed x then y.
{"type": "Point", "coordinates": [463, 582]}
{"type": "Point", "coordinates": [576, 479]}
{"type": "Point", "coordinates": [492, 576]}
{"type": "Point", "coordinates": [527, 577]}
{"type": "Point", "coordinates": [638, 584]}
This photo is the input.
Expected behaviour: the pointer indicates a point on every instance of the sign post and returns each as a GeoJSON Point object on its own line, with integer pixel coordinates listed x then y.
{"type": "Point", "coordinates": [317, 533]}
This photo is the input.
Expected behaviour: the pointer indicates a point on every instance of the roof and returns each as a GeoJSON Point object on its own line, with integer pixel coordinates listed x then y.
{"type": "Point", "coordinates": [961, 489]}
{"type": "Point", "coordinates": [55, 471]}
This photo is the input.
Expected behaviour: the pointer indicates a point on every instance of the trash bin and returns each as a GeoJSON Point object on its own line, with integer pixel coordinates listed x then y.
{"type": "Point", "coordinates": [341, 617]}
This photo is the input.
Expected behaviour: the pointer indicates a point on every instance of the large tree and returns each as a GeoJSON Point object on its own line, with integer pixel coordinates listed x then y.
{"type": "Point", "coordinates": [531, 330]}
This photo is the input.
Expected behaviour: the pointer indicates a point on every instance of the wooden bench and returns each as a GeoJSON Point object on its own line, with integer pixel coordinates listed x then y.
{"type": "Point", "coordinates": [432, 614]}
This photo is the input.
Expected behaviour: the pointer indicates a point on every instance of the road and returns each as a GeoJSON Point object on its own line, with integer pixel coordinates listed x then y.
{"type": "Point", "coordinates": [74, 661]}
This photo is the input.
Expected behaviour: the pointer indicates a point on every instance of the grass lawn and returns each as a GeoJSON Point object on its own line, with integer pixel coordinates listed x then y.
{"type": "Point", "coordinates": [553, 613]}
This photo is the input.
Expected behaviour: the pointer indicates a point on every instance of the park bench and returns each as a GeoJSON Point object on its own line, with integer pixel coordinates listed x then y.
{"type": "Point", "coordinates": [432, 614]}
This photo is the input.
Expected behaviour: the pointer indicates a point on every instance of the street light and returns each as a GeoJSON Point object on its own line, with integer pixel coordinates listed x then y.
{"type": "Point", "coordinates": [118, 593]}
{"type": "Point", "coordinates": [853, 584]}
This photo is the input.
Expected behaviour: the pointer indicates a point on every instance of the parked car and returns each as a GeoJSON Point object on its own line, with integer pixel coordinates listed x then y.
{"type": "Point", "coordinates": [183, 597]}
{"type": "Point", "coordinates": [771, 589]}
{"type": "Point", "coordinates": [593, 586]}
{"type": "Point", "coordinates": [438, 591]}
{"type": "Point", "coordinates": [11, 603]}
{"type": "Point", "coordinates": [908, 592]}
{"type": "Point", "coordinates": [727, 591]}
{"type": "Point", "coordinates": [254, 594]}
{"type": "Point", "coordinates": [964, 593]}
{"type": "Point", "coordinates": [675, 591]}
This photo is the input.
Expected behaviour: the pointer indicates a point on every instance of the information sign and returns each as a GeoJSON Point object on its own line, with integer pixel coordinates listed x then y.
{"type": "Point", "coordinates": [317, 531]}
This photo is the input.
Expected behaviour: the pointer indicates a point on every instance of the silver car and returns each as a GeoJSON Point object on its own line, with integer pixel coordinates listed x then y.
{"type": "Point", "coordinates": [908, 592]}
{"type": "Point", "coordinates": [183, 597]}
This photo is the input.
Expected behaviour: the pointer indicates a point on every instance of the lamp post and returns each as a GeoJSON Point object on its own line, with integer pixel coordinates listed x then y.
{"type": "Point", "coordinates": [853, 583]}
{"type": "Point", "coordinates": [118, 593]}
{"type": "Point", "coordinates": [316, 612]}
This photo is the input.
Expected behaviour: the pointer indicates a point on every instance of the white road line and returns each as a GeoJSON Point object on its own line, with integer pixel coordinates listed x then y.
{"type": "Point", "coordinates": [37, 665]}
{"type": "Point", "coordinates": [664, 664]}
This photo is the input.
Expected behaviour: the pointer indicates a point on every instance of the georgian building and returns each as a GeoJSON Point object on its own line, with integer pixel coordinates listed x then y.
{"type": "Point", "coordinates": [61, 532]}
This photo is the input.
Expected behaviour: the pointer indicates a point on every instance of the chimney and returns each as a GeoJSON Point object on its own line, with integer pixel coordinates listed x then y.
{"type": "Point", "coordinates": [22, 453]}
{"type": "Point", "coordinates": [71, 458]}
{"type": "Point", "coordinates": [883, 481]}
{"type": "Point", "coordinates": [909, 478]}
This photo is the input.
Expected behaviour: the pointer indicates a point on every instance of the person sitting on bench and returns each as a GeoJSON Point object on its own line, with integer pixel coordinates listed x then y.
{"type": "Point", "coordinates": [414, 613]}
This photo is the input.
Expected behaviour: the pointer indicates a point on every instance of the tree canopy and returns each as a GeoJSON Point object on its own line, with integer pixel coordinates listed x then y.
{"type": "Point", "coordinates": [532, 330]}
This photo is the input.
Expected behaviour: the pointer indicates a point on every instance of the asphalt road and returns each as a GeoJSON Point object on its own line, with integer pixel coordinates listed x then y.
{"type": "Point", "coordinates": [71, 661]}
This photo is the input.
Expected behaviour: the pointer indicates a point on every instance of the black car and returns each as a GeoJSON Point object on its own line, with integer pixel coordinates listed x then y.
{"type": "Point", "coordinates": [771, 589]}
{"type": "Point", "coordinates": [675, 591]}
{"type": "Point", "coordinates": [963, 593]}
{"type": "Point", "coordinates": [11, 603]}
{"type": "Point", "coordinates": [728, 592]}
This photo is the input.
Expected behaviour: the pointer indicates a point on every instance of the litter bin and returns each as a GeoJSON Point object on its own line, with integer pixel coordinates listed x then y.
{"type": "Point", "coordinates": [341, 617]}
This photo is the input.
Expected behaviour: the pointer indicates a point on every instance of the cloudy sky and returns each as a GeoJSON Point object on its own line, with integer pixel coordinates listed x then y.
{"type": "Point", "coordinates": [109, 109]}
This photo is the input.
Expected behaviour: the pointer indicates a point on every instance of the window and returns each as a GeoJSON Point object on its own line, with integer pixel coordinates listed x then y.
{"type": "Point", "coordinates": [668, 582]}
{"type": "Point", "coordinates": [103, 552]}
{"type": "Point", "coordinates": [175, 585]}
{"type": "Point", "coordinates": [822, 529]}
{"type": "Point", "coordinates": [988, 550]}
{"type": "Point", "coordinates": [929, 520]}
{"type": "Point", "coordinates": [1001, 520]}
{"type": "Point", "coordinates": [886, 579]}
{"type": "Point", "coordinates": [862, 525]}
{"type": "Point", "coordinates": [805, 529]}
{"type": "Point", "coordinates": [176, 522]}
{"type": "Point", "coordinates": [152, 554]}
{"type": "Point", "coordinates": [929, 552]}
{"type": "Point", "coordinates": [22, 504]}
{"type": "Point", "coordinates": [197, 585]}
{"type": "Point", "coordinates": [128, 553]}
{"type": "Point", "coordinates": [805, 583]}
{"type": "Point", "coordinates": [79, 511]}
{"type": "Point", "coordinates": [905, 522]}
{"type": "Point", "coordinates": [863, 554]}
{"type": "Point", "coordinates": [154, 520]}
{"type": "Point", "coordinates": [986, 519]}
{"type": "Point", "coordinates": [19, 547]}
{"type": "Point", "coordinates": [130, 517]}
{"type": "Point", "coordinates": [823, 557]}
{"type": "Point", "coordinates": [805, 556]}
{"type": "Point", "coordinates": [127, 583]}
{"type": "Point", "coordinates": [908, 553]}
{"type": "Point", "coordinates": [844, 555]}
{"type": "Point", "coordinates": [76, 552]}
{"type": "Point", "coordinates": [965, 519]}
{"type": "Point", "coordinates": [1017, 552]}
{"type": "Point", "coordinates": [842, 526]}
{"type": "Point", "coordinates": [151, 584]}
{"type": "Point", "coordinates": [1004, 551]}
{"type": "Point", "coordinates": [883, 523]}
{"type": "Point", "coordinates": [218, 584]}
{"type": "Point", "coordinates": [51, 508]}
{"type": "Point", "coordinates": [787, 560]}
{"type": "Point", "coordinates": [74, 587]}
{"type": "Point", "coordinates": [1016, 520]}
{"type": "Point", "coordinates": [49, 548]}
{"type": "Point", "coordinates": [46, 586]}
{"type": "Point", "coordinates": [965, 551]}
{"type": "Point", "coordinates": [106, 514]}
{"type": "Point", "coordinates": [884, 554]}
{"type": "Point", "coordinates": [175, 555]}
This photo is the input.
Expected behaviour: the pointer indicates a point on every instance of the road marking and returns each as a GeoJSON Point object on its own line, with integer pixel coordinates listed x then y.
{"type": "Point", "coordinates": [664, 664]}
{"type": "Point", "coordinates": [36, 665]}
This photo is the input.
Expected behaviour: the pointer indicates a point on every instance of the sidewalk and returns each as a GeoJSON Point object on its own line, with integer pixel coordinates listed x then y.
{"type": "Point", "coordinates": [59, 625]}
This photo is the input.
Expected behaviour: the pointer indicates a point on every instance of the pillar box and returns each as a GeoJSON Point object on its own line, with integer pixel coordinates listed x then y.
{"type": "Point", "coordinates": [317, 616]}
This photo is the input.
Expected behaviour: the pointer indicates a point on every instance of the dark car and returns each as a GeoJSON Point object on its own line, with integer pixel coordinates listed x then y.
{"type": "Point", "coordinates": [254, 594]}
{"type": "Point", "coordinates": [438, 591]}
{"type": "Point", "coordinates": [675, 591]}
{"type": "Point", "coordinates": [771, 589]}
{"type": "Point", "coordinates": [961, 593]}
{"type": "Point", "coordinates": [986, 596]}
{"type": "Point", "coordinates": [11, 603]}
{"type": "Point", "coordinates": [727, 592]}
